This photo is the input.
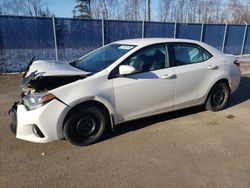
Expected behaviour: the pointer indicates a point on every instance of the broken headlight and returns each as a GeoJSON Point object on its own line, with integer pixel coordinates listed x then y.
{"type": "Point", "coordinates": [34, 101]}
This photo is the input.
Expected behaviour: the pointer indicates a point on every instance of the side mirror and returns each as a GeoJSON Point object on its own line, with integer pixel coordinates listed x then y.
{"type": "Point", "coordinates": [126, 69]}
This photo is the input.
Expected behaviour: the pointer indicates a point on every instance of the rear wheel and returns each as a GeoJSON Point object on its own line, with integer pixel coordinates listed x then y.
{"type": "Point", "coordinates": [85, 126]}
{"type": "Point", "coordinates": [218, 97]}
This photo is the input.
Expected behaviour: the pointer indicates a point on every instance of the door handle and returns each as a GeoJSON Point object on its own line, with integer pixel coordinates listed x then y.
{"type": "Point", "coordinates": [168, 76]}
{"type": "Point", "coordinates": [212, 67]}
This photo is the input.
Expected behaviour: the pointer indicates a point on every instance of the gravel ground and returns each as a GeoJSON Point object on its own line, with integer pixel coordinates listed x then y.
{"type": "Point", "coordinates": [187, 148]}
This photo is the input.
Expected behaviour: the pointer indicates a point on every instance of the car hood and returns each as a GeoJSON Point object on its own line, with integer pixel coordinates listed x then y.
{"type": "Point", "coordinates": [45, 75]}
{"type": "Point", "coordinates": [54, 68]}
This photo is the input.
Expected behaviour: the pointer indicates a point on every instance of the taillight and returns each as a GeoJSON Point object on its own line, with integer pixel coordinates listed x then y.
{"type": "Point", "coordinates": [237, 63]}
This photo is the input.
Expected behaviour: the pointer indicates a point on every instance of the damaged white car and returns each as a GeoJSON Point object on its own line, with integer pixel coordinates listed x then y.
{"type": "Point", "coordinates": [119, 82]}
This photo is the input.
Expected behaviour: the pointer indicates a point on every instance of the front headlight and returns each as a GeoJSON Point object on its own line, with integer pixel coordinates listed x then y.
{"type": "Point", "coordinates": [34, 101]}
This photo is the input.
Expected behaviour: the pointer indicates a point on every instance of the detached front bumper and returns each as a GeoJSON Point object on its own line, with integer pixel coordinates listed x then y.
{"type": "Point", "coordinates": [41, 125]}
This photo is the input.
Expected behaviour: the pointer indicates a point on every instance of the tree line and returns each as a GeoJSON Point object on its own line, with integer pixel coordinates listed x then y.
{"type": "Point", "coordinates": [183, 11]}
{"type": "Point", "coordinates": [25, 8]}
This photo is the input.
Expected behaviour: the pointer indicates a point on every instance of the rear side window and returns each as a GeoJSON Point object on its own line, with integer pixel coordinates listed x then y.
{"type": "Point", "coordinates": [185, 54]}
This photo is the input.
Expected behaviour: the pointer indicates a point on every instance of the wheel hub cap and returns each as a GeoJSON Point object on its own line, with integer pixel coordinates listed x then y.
{"type": "Point", "coordinates": [86, 126]}
{"type": "Point", "coordinates": [218, 97]}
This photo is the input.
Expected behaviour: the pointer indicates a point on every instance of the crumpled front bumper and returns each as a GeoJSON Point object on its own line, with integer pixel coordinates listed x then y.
{"type": "Point", "coordinates": [41, 125]}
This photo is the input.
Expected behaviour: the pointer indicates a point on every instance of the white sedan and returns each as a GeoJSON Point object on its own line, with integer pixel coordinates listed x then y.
{"type": "Point", "coordinates": [119, 82]}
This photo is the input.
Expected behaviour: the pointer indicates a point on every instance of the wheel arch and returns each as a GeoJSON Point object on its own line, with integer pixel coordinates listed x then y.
{"type": "Point", "coordinates": [93, 101]}
{"type": "Point", "coordinates": [224, 80]}
{"type": "Point", "coordinates": [221, 79]}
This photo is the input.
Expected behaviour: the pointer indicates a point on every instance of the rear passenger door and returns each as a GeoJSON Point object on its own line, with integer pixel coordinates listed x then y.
{"type": "Point", "coordinates": [191, 64]}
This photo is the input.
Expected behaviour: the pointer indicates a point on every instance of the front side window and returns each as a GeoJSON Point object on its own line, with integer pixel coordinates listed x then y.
{"type": "Point", "coordinates": [189, 54]}
{"type": "Point", "coordinates": [149, 58]}
{"type": "Point", "coordinates": [102, 58]}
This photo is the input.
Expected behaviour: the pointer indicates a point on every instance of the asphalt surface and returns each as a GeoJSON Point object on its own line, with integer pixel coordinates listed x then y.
{"type": "Point", "coordinates": [187, 148]}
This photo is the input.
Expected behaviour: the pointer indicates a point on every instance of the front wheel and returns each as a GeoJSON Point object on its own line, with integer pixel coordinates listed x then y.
{"type": "Point", "coordinates": [218, 97]}
{"type": "Point", "coordinates": [85, 126]}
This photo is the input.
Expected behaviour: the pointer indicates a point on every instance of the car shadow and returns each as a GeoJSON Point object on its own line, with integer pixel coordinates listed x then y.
{"type": "Point", "coordinates": [242, 94]}
{"type": "Point", "coordinates": [149, 121]}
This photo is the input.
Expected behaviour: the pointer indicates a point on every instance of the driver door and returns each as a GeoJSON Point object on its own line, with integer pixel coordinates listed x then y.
{"type": "Point", "coordinates": [149, 90]}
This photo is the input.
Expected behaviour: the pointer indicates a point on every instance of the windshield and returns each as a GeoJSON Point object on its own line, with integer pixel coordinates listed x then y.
{"type": "Point", "coordinates": [102, 58]}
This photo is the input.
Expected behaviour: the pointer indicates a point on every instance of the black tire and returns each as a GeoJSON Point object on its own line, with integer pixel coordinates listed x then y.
{"type": "Point", "coordinates": [85, 125]}
{"type": "Point", "coordinates": [218, 97]}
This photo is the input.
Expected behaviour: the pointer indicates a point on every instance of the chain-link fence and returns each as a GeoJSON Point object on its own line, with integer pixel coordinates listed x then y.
{"type": "Point", "coordinates": [22, 38]}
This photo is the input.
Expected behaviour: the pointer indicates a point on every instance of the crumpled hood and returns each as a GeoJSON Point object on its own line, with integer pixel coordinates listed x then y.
{"type": "Point", "coordinates": [46, 75]}
{"type": "Point", "coordinates": [54, 68]}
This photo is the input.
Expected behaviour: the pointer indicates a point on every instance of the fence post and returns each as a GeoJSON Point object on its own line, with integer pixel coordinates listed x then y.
{"type": "Point", "coordinates": [55, 40]}
{"type": "Point", "coordinates": [224, 38]}
{"type": "Point", "coordinates": [103, 34]}
{"type": "Point", "coordinates": [244, 39]}
{"type": "Point", "coordinates": [175, 28]}
{"type": "Point", "coordinates": [202, 29]}
{"type": "Point", "coordinates": [142, 29]}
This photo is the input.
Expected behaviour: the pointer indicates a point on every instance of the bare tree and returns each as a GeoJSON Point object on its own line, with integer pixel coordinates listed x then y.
{"type": "Point", "coordinates": [118, 9]}
{"type": "Point", "coordinates": [25, 7]}
{"type": "Point", "coordinates": [104, 8]}
{"type": "Point", "coordinates": [135, 10]}
{"type": "Point", "coordinates": [246, 12]}
{"type": "Point", "coordinates": [164, 10]}
{"type": "Point", "coordinates": [148, 10]}
{"type": "Point", "coordinates": [235, 12]}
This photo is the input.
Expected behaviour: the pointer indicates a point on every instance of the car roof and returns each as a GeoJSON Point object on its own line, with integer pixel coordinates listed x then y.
{"type": "Point", "coordinates": [148, 41]}
{"type": "Point", "coordinates": [140, 42]}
